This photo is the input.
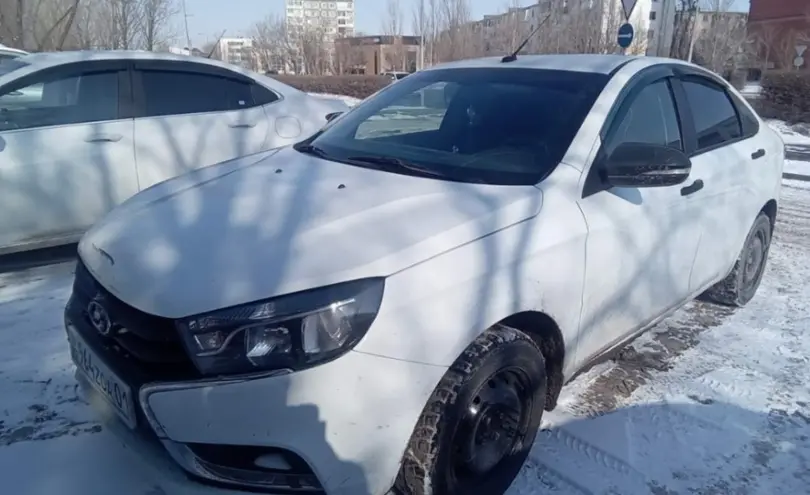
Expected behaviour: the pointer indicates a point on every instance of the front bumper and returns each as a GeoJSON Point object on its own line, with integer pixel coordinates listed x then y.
{"type": "Point", "coordinates": [348, 421]}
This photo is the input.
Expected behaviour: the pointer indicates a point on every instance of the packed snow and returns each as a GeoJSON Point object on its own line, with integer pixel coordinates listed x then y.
{"type": "Point", "coordinates": [797, 147]}
{"type": "Point", "coordinates": [710, 401]}
{"type": "Point", "coordinates": [348, 100]}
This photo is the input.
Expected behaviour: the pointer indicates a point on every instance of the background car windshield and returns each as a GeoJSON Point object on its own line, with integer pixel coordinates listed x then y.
{"type": "Point", "coordinates": [499, 126]}
{"type": "Point", "coordinates": [9, 64]}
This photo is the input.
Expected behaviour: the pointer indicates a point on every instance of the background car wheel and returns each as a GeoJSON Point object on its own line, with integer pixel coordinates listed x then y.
{"type": "Point", "coordinates": [743, 281]}
{"type": "Point", "coordinates": [481, 421]}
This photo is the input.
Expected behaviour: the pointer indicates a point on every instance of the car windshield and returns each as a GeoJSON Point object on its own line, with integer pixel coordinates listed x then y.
{"type": "Point", "coordinates": [498, 126]}
{"type": "Point", "coordinates": [9, 63]}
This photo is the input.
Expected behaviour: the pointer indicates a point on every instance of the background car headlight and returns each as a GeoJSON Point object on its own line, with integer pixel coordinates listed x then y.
{"type": "Point", "coordinates": [292, 331]}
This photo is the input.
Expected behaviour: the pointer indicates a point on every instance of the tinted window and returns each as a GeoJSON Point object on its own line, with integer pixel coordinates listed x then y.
{"type": "Point", "coordinates": [650, 118]}
{"type": "Point", "coordinates": [715, 119]}
{"type": "Point", "coordinates": [60, 100]}
{"type": "Point", "coordinates": [504, 126]}
{"type": "Point", "coordinates": [750, 124]}
{"type": "Point", "coordinates": [176, 93]}
{"type": "Point", "coordinates": [262, 95]}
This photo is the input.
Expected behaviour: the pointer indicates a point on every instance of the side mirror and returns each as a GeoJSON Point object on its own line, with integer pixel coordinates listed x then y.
{"type": "Point", "coordinates": [646, 165]}
{"type": "Point", "coordinates": [332, 116]}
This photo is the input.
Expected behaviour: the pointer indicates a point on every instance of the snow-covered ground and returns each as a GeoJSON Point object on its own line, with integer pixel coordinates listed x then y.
{"type": "Point", "coordinates": [346, 99]}
{"type": "Point", "coordinates": [711, 401]}
{"type": "Point", "coordinates": [797, 146]}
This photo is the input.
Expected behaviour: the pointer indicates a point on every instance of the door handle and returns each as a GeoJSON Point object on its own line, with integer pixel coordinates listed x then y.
{"type": "Point", "coordinates": [104, 138]}
{"type": "Point", "coordinates": [758, 154]}
{"type": "Point", "coordinates": [242, 125]}
{"type": "Point", "coordinates": [692, 188]}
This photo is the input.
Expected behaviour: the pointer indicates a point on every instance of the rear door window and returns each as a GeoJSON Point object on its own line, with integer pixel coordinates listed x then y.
{"type": "Point", "coordinates": [715, 118]}
{"type": "Point", "coordinates": [177, 93]}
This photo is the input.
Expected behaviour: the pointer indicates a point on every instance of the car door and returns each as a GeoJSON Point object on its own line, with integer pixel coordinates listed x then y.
{"type": "Point", "coordinates": [641, 241]}
{"type": "Point", "coordinates": [191, 115]}
{"type": "Point", "coordinates": [66, 151]}
{"type": "Point", "coordinates": [725, 154]}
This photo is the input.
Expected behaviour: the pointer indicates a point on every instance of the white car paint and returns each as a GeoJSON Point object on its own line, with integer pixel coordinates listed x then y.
{"type": "Point", "coordinates": [57, 180]}
{"type": "Point", "coordinates": [456, 257]}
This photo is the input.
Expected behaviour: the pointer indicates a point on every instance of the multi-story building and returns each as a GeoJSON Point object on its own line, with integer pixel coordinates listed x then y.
{"type": "Point", "coordinates": [781, 29]}
{"type": "Point", "coordinates": [237, 51]}
{"type": "Point", "coordinates": [333, 18]}
{"type": "Point", "coordinates": [661, 27]}
{"type": "Point", "coordinates": [377, 54]}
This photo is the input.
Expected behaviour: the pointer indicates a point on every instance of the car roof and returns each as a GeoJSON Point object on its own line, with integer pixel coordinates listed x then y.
{"type": "Point", "coordinates": [602, 64]}
{"type": "Point", "coordinates": [48, 59]}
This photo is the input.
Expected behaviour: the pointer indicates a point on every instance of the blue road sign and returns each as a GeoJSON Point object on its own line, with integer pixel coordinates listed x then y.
{"type": "Point", "coordinates": [625, 37]}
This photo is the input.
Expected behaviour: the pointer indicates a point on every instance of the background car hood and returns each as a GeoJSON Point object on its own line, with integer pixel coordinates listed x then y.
{"type": "Point", "coordinates": [281, 222]}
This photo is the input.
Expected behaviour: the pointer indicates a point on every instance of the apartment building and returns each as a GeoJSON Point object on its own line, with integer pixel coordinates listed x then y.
{"type": "Point", "coordinates": [237, 51]}
{"type": "Point", "coordinates": [335, 17]}
{"type": "Point", "coordinates": [660, 27]}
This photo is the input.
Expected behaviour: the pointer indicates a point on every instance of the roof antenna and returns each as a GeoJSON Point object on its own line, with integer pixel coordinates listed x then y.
{"type": "Point", "coordinates": [513, 56]}
{"type": "Point", "coordinates": [216, 45]}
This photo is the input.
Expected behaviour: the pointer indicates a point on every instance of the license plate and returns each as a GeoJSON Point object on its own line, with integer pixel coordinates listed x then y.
{"type": "Point", "coordinates": [116, 392]}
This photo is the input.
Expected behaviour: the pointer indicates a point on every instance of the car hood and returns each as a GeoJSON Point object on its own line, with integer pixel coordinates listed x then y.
{"type": "Point", "coordinates": [280, 222]}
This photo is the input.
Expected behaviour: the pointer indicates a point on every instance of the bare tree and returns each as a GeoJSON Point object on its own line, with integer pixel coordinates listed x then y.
{"type": "Point", "coordinates": [392, 23]}
{"type": "Point", "coordinates": [155, 23]}
{"type": "Point", "coordinates": [273, 46]}
{"type": "Point", "coordinates": [721, 37]}
{"type": "Point", "coordinates": [685, 24]}
{"type": "Point", "coordinates": [395, 56]}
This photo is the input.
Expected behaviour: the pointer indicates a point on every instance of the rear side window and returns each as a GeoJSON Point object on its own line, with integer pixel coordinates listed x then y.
{"type": "Point", "coordinates": [178, 93]}
{"type": "Point", "coordinates": [55, 99]}
{"type": "Point", "coordinates": [650, 118]}
{"type": "Point", "coordinates": [715, 118]}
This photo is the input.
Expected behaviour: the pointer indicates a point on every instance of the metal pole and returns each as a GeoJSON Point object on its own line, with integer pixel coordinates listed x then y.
{"type": "Point", "coordinates": [421, 34]}
{"type": "Point", "coordinates": [693, 36]}
{"type": "Point", "coordinates": [185, 20]}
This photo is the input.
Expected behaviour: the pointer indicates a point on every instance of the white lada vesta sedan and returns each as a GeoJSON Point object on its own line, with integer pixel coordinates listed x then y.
{"type": "Point", "coordinates": [396, 300]}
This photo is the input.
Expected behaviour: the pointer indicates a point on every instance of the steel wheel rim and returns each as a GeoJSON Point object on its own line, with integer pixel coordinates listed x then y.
{"type": "Point", "coordinates": [492, 425]}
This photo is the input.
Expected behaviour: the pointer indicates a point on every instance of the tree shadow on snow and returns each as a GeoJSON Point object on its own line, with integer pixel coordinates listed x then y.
{"type": "Point", "coordinates": [695, 445]}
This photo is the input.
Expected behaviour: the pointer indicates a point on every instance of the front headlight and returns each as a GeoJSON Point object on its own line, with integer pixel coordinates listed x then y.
{"type": "Point", "coordinates": [292, 331]}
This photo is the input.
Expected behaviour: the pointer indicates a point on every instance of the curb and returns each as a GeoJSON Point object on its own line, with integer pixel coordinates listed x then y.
{"type": "Point", "coordinates": [803, 178]}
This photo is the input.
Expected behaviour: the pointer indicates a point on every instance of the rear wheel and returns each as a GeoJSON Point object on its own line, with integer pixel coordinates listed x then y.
{"type": "Point", "coordinates": [481, 421]}
{"type": "Point", "coordinates": [740, 286]}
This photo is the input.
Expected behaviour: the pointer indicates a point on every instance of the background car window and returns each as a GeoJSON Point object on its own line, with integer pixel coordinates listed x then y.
{"type": "Point", "coordinates": [177, 93]}
{"type": "Point", "coordinates": [715, 119]}
{"type": "Point", "coordinates": [419, 111]}
{"type": "Point", "coordinates": [651, 118]}
{"type": "Point", "coordinates": [502, 126]}
{"type": "Point", "coordinates": [262, 95]}
{"type": "Point", "coordinates": [61, 100]}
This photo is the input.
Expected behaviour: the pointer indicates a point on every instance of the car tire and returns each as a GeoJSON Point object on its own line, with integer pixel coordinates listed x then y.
{"type": "Point", "coordinates": [476, 401]}
{"type": "Point", "coordinates": [740, 286]}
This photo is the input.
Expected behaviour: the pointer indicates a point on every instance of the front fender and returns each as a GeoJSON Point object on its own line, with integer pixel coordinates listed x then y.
{"type": "Point", "coordinates": [432, 311]}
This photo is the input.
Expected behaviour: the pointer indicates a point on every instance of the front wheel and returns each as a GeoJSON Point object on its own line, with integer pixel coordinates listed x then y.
{"type": "Point", "coordinates": [480, 423]}
{"type": "Point", "coordinates": [740, 286]}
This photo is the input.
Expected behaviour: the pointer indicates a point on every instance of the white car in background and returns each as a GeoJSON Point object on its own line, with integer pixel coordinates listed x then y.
{"type": "Point", "coordinates": [80, 132]}
{"type": "Point", "coordinates": [396, 301]}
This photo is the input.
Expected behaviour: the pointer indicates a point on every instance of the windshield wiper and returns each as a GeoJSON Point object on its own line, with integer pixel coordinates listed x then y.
{"type": "Point", "coordinates": [311, 149]}
{"type": "Point", "coordinates": [396, 162]}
